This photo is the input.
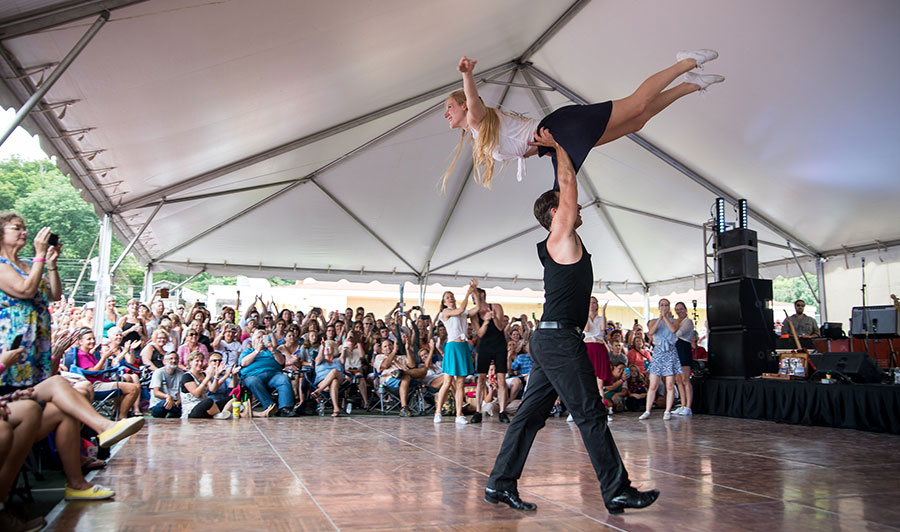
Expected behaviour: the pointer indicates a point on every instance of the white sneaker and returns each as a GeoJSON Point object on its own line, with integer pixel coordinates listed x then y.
{"type": "Point", "coordinates": [570, 419]}
{"type": "Point", "coordinates": [687, 412]}
{"type": "Point", "coordinates": [678, 410]}
{"type": "Point", "coordinates": [645, 415]}
{"type": "Point", "coordinates": [461, 420]}
{"type": "Point", "coordinates": [609, 419]}
{"type": "Point", "coordinates": [224, 414]}
{"type": "Point", "coordinates": [437, 418]}
{"type": "Point", "coordinates": [667, 416]}
{"type": "Point", "coordinates": [703, 80]}
{"type": "Point", "coordinates": [703, 55]}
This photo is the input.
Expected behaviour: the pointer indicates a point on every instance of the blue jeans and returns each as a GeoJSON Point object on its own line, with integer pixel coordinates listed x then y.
{"type": "Point", "coordinates": [160, 411]}
{"type": "Point", "coordinates": [260, 384]}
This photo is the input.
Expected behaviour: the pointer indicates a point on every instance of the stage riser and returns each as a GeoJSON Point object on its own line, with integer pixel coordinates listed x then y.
{"type": "Point", "coordinates": [870, 407]}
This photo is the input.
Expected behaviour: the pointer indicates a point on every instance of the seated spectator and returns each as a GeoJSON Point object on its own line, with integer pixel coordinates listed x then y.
{"type": "Point", "coordinates": [614, 393]}
{"type": "Point", "coordinates": [394, 372]}
{"type": "Point", "coordinates": [165, 386]}
{"type": "Point", "coordinates": [195, 385]}
{"type": "Point", "coordinates": [698, 351]}
{"type": "Point", "coordinates": [298, 359]}
{"type": "Point", "coordinates": [617, 353]}
{"type": "Point", "coordinates": [262, 370]}
{"type": "Point", "coordinates": [353, 357]}
{"type": "Point", "coordinates": [520, 368]}
{"type": "Point", "coordinates": [329, 374]}
{"type": "Point", "coordinates": [636, 398]}
{"type": "Point", "coordinates": [191, 344]}
{"type": "Point", "coordinates": [219, 390]}
{"type": "Point", "coordinates": [20, 421]}
{"type": "Point", "coordinates": [638, 356]}
{"type": "Point", "coordinates": [86, 359]}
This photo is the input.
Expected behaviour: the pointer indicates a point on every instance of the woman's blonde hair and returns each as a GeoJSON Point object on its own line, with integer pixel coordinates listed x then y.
{"type": "Point", "coordinates": [483, 147]}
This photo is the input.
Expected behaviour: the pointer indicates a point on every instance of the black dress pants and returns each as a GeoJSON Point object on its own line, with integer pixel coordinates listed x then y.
{"type": "Point", "coordinates": [561, 366]}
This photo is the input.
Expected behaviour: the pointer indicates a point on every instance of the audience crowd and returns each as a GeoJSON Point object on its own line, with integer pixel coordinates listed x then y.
{"type": "Point", "coordinates": [171, 361]}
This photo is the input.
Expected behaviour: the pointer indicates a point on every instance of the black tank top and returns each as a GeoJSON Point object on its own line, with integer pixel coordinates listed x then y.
{"type": "Point", "coordinates": [493, 340]}
{"type": "Point", "coordinates": [567, 288]}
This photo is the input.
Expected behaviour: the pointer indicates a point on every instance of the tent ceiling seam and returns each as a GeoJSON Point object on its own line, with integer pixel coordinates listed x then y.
{"type": "Point", "coordinates": [56, 15]}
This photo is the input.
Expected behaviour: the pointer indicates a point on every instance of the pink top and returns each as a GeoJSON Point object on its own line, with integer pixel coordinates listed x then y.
{"type": "Point", "coordinates": [184, 351]}
{"type": "Point", "coordinates": [87, 361]}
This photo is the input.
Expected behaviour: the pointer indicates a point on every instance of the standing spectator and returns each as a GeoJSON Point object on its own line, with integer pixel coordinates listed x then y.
{"type": "Point", "coordinates": [110, 314]}
{"type": "Point", "coordinates": [489, 323]}
{"type": "Point", "coordinates": [595, 342]}
{"type": "Point", "coordinates": [665, 362]}
{"type": "Point", "coordinates": [131, 324]}
{"type": "Point", "coordinates": [165, 395]}
{"type": "Point", "coordinates": [25, 295]}
{"type": "Point", "coordinates": [685, 358]}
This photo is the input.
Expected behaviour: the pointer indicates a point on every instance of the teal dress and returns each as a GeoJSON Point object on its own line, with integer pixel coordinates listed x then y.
{"type": "Point", "coordinates": [31, 319]}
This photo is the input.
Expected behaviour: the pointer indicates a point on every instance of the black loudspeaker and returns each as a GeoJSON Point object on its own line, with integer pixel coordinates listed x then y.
{"type": "Point", "coordinates": [741, 353]}
{"type": "Point", "coordinates": [859, 367]}
{"type": "Point", "coordinates": [737, 254]}
{"type": "Point", "coordinates": [879, 322]}
{"type": "Point", "coordinates": [743, 303]}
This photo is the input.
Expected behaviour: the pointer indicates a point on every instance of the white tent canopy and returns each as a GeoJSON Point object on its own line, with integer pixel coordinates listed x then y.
{"type": "Point", "coordinates": [307, 139]}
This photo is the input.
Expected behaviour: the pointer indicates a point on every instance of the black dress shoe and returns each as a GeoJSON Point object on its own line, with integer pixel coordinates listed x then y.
{"type": "Point", "coordinates": [286, 412]}
{"type": "Point", "coordinates": [631, 498]}
{"type": "Point", "coordinates": [476, 418]}
{"type": "Point", "coordinates": [502, 417]}
{"type": "Point", "coordinates": [507, 497]}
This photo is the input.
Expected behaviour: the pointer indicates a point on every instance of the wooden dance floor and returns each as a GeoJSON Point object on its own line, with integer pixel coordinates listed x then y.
{"type": "Point", "coordinates": [373, 473]}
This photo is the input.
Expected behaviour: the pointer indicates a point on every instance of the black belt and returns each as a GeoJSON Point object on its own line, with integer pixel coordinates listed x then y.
{"type": "Point", "coordinates": [557, 325]}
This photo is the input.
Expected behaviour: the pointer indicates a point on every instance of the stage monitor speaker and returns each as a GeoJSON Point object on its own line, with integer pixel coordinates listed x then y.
{"type": "Point", "coordinates": [858, 367]}
{"type": "Point", "coordinates": [741, 353]}
{"type": "Point", "coordinates": [737, 254]}
{"type": "Point", "coordinates": [740, 303]}
{"type": "Point", "coordinates": [879, 322]}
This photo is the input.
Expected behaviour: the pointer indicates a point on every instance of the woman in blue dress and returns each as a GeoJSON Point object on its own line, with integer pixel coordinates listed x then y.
{"type": "Point", "coordinates": [665, 361]}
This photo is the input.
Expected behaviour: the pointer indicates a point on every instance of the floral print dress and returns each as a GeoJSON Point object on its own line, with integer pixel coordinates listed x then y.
{"type": "Point", "coordinates": [31, 319]}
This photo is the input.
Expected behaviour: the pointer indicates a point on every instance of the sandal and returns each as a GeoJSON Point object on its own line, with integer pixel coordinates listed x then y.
{"type": "Point", "coordinates": [336, 414]}
{"type": "Point", "coordinates": [92, 465]}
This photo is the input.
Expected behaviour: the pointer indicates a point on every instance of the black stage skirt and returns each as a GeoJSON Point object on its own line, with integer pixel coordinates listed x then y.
{"type": "Point", "coordinates": [576, 128]}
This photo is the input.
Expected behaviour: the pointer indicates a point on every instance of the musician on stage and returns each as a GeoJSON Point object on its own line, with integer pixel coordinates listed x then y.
{"type": "Point", "coordinates": [805, 326]}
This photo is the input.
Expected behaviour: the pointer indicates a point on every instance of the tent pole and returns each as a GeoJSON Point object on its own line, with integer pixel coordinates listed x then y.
{"type": "Point", "coordinates": [627, 304]}
{"type": "Point", "coordinates": [803, 274]}
{"type": "Point", "coordinates": [57, 72]}
{"type": "Point", "coordinates": [135, 238]}
{"type": "Point", "coordinates": [148, 284]}
{"type": "Point", "coordinates": [820, 275]}
{"type": "Point", "coordinates": [646, 304]}
{"type": "Point", "coordinates": [102, 286]}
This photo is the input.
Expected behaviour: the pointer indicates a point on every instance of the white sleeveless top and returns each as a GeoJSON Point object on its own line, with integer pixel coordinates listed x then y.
{"type": "Point", "coordinates": [512, 142]}
{"type": "Point", "coordinates": [686, 330]}
{"type": "Point", "coordinates": [594, 328]}
{"type": "Point", "coordinates": [455, 325]}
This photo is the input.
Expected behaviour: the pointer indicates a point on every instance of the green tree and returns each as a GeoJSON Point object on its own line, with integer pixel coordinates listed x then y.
{"type": "Point", "coordinates": [20, 178]}
{"type": "Point", "coordinates": [790, 289]}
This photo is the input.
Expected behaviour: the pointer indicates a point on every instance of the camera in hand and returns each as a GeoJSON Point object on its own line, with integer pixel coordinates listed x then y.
{"type": "Point", "coordinates": [17, 342]}
{"type": "Point", "coordinates": [164, 293]}
{"type": "Point", "coordinates": [53, 240]}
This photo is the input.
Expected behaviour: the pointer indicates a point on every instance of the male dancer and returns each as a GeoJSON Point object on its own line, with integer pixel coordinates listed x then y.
{"type": "Point", "coordinates": [487, 322]}
{"type": "Point", "coordinates": [560, 362]}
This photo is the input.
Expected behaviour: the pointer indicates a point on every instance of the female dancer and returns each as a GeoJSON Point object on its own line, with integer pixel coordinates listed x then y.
{"type": "Point", "coordinates": [577, 128]}
{"type": "Point", "coordinates": [665, 359]}
{"type": "Point", "coordinates": [457, 361]}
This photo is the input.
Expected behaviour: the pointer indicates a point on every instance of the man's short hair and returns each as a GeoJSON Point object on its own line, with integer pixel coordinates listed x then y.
{"type": "Point", "coordinates": [800, 301]}
{"type": "Point", "coordinates": [542, 206]}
